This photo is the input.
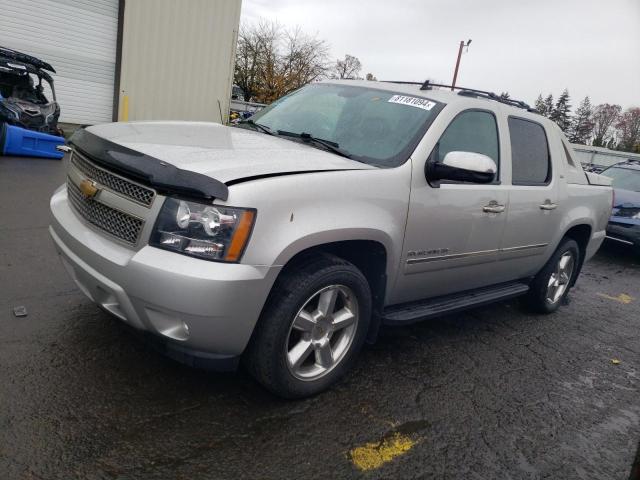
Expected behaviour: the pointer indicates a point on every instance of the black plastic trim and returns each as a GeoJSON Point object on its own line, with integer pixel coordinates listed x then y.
{"type": "Point", "coordinates": [251, 178]}
{"type": "Point", "coordinates": [167, 179]}
{"type": "Point", "coordinates": [434, 307]}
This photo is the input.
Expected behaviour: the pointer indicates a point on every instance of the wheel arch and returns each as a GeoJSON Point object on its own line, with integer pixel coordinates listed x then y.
{"type": "Point", "coordinates": [581, 233]}
{"type": "Point", "coordinates": [371, 257]}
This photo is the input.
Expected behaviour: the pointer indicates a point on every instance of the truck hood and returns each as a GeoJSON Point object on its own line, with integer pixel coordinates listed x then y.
{"type": "Point", "coordinates": [227, 154]}
{"type": "Point", "coordinates": [626, 198]}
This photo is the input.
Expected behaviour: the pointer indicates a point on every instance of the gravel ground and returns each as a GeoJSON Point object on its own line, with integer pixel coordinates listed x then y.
{"type": "Point", "coordinates": [494, 393]}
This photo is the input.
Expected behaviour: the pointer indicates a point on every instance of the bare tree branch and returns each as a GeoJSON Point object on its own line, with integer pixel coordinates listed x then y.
{"type": "Point", "coordinates": [272, 61]}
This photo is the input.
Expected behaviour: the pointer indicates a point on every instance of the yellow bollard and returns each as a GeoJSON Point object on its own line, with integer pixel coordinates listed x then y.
{"type": "Point", "coordinates": [124, 114]}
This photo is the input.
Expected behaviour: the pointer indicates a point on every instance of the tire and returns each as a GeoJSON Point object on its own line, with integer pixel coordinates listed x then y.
{"type": "Point", "coordinates": [300, 296]}
{"type": "Point", "coordinates": [541, 297]}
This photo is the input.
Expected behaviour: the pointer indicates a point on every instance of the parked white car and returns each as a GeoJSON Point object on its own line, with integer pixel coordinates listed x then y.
{"type": "Point", "coordinates": [288, 240]}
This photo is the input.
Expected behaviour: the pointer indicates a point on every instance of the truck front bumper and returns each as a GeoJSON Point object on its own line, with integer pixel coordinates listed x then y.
{"type": "Point", "coordinates": [624, 230]}
{"type": "Point", "coordinates": [203, 313]}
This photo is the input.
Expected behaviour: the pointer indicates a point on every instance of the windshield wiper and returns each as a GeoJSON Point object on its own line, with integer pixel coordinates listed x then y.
{"type": "Point", "coordinates": [257, 126]}
{"type": "Point", "coordinates": [307, 137]}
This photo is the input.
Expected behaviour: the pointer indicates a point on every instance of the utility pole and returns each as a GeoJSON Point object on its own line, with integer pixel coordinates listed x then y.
{"type": "Point", "coordinates": [455, 73]}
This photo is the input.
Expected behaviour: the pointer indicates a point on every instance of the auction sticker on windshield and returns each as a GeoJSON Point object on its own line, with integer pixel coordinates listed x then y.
{"type": "Point", "coordinates": [412, 102]}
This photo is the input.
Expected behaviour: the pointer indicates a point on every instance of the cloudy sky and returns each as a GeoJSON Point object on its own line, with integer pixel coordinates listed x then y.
{"type": "Point", "coordinates": [592, 47]}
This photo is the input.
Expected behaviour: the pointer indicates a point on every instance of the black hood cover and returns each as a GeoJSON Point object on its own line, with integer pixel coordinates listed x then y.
{"type": "Point", "coordinates": [164, 177]}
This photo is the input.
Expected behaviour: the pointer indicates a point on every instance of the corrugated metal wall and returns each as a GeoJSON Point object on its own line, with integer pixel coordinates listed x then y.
{"type": "Point", "coordinates": [177, 59]}
{"type": "Point", "coordinates": [77, 37]}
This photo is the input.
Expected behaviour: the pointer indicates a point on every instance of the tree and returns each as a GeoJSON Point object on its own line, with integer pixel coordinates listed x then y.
{"type": "Point", "coordinates": [371, 78]}
{"type": "Point", "coordinates": [548, 105]}
{"type": "Point", "coordinates": [505, 96]}
{"type": "Point", "coordinates": [540, 106]}
{"type": "Point", "coordinates": [582, 124]}
{"type": "Point", "coordinates": [348, 68]}
{"type": "Point", "coordinates": [254, 46]}
{"type": "Point", "coordinates": [561, 113]}
{"type": "Point", "coordinates": [272, 61]}
{"type": "Point", "coordinates": [604, 117]}
{"type": "Point", "coordinates": [628, 127]}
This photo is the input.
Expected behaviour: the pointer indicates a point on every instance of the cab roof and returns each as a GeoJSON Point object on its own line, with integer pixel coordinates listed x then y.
{"type": "Point", "coordinates": [467, 97]}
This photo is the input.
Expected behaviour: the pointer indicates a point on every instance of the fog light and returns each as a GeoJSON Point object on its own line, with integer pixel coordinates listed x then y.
{"type": "Point", "coordinates": [168, 325]}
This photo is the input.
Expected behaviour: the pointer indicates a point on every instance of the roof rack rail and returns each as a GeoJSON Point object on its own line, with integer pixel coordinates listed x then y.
{"type": "Point", "coordinates": [471, 92]}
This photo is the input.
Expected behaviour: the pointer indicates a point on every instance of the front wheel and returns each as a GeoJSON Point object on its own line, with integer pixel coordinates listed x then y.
{"type": "Point", "coordinates": [312, 327]}
{"type": "Point", "coordinates": [551, 285]}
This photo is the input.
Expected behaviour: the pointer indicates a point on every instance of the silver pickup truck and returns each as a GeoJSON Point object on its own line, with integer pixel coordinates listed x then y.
{"type": "Point", "coordinates": [285, 242]}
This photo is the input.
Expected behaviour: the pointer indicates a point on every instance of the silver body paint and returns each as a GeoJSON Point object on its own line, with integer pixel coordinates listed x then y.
{"type": "Point", "coordinates": [437, 240]}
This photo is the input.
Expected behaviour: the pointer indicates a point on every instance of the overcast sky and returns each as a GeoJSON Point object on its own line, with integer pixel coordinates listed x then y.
{"type": "Point", "coordinates": [591, 47]}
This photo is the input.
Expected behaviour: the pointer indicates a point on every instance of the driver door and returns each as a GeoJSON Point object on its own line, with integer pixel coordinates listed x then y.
{"type": "Point", "coordinates": [453, 232]}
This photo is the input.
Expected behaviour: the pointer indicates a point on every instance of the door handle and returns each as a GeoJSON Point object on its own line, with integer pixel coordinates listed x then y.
{"type": "Point", "coordinates": [548, 206]}
{"type": "Point", "coordinates": [493, 207]}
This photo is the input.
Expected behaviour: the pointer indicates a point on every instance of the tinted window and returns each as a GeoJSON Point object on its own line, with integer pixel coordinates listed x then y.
{"type": "Point", "coordinates": [529, 153]}
{"type": "Point", "coordinates": [471, 131]}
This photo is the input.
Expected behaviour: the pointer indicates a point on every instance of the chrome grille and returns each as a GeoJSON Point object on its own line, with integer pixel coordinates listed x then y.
{"type": "Point", "coordinates": [113, 182]}
{"type": "Point", "coordinates": [114, 222]}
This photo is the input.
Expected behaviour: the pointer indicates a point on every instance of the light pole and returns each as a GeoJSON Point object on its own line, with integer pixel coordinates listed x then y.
{"type": "Point", "coordinates": [455, 73]}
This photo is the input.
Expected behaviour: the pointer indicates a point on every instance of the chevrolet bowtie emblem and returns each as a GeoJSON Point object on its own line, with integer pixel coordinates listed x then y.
{"type": "Point", "coordinates": [88, 188]}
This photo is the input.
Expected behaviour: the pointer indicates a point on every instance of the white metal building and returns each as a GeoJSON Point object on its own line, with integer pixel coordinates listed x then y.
{"type": "Point", "coordinates": [600, 156]}
{"type": "Point", "coordinates": [130, 59]}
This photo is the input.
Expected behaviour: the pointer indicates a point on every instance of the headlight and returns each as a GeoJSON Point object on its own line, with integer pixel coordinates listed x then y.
{"type": "Point", "coordinates": [212, 232]}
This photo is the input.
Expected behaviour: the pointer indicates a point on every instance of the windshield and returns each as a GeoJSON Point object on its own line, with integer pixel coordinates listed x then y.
{"type": "Point", "coordinates": [373, 126]}
{"type": "Point", "coordinates": [624, 178]}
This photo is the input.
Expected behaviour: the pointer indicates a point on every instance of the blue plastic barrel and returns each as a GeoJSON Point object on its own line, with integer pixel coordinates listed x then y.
{"type": "Point", "coordinates": [27, 143]}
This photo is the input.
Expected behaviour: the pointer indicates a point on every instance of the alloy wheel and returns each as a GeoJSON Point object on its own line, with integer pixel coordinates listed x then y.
{"type": "Point", "coordinates": [560, 278]}
{"type": "Point", "coordinates": [322, 332]}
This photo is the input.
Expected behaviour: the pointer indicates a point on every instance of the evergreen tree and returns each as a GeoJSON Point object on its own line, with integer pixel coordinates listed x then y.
{"type": "Point", "coordinates": [582, 124]}
{"type": "Point", "coordinates": [505, 96]}
{"type": "Point", "coordinates": [548, 105]}
{"type": "Point", "coordinates": [561, 112]}
{"type": "Point", "coordinates": [540, 106]}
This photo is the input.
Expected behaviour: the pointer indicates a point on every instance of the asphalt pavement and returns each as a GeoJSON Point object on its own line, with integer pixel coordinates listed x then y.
{"type": "Point", "coordinates": [494, 393]}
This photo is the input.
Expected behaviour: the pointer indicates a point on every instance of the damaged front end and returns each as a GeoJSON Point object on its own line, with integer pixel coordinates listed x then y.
{"type": "Point", "coordinates": [22, 101]}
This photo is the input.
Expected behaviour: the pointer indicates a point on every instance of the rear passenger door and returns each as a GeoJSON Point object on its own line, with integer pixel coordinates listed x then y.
{"type": "Point", "coordinates": [533, 217]}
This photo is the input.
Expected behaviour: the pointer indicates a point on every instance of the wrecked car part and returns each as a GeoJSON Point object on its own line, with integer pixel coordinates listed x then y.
{"type": "Point", "coordinates": [23, 103]}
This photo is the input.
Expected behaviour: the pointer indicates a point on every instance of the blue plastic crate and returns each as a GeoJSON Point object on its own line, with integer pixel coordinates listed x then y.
{"type": "Point", "coordinates": [26, 143]}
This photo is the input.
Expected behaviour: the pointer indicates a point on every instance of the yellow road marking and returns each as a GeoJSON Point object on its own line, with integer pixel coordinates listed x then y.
{"type": "Point", "coordinates": [375, 454]}
{"type": "Point", "coordinates": [622, 298]}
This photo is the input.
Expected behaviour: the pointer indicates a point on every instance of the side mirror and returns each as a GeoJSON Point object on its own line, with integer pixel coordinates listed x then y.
{"type": "Point", "coordinates": [463, 167]}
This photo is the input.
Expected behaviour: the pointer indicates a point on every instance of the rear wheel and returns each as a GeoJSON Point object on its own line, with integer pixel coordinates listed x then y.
{"type": "Point", "coordinates": [312, 328]}
{"type": "Point", "coordinates": [551, 285]}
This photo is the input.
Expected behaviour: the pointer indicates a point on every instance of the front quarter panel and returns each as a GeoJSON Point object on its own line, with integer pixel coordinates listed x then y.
{"type": "Point", "coordinates": [296, 212]}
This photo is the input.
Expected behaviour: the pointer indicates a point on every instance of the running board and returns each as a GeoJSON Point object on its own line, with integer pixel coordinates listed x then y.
{"type": "Point", "coordinates": [434, 307]}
